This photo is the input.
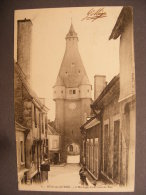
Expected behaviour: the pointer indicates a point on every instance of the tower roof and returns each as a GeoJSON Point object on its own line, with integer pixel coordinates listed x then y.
{"type": "Point", "coordinates": [59, 81]}
{"type": "Point", "coordinates": [72, 72]}
{"type": "Point", "coordinates": [71, 32]}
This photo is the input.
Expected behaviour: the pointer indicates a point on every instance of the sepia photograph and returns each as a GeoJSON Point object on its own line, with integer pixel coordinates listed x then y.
{"type": "Point", "coordinates": [75, 99]}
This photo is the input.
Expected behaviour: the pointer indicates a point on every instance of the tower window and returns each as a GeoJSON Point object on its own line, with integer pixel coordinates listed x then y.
{"type": "Point", "coordinates": [74, 91]}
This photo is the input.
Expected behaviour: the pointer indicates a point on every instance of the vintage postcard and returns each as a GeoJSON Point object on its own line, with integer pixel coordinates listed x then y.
{"type": "Point", "coordinates": [75, 100]}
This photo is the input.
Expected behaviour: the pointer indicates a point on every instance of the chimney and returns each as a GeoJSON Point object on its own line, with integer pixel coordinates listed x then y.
{"type": "Point", "coordinates": [99, 85]}
{"type": "Point", "coordinates": [24, 38]}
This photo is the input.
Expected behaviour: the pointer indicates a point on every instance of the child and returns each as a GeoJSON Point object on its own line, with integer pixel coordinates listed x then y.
{"type": "Point", "coordinates": [82, 174]}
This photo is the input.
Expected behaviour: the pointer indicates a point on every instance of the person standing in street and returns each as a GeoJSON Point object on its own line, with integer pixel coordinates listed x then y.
{"type": "Point", "coordinates": [82, 174]}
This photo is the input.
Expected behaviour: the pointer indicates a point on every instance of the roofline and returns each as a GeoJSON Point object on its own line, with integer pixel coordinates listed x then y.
{"type": "Point", "coordinates": [88, 121]}
{"type": "Point", "coordinates": [28, 88]}
{"type": "Point", "coordinates": [99, 75]}
{"type": "Point", "coordinates": [106, 89]}
{"type": "Point", "coordinates": [24, 20]}
{"type": "Point", "coordinates": [124, 17]}
{"type": "Point", "coordinates": [21, 126]}
{"type": "Point", "coordinates": [54, 130]}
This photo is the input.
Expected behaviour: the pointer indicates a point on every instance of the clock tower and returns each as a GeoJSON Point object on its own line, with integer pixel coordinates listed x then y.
{"type": "Point", "coordinates": [72, 95]}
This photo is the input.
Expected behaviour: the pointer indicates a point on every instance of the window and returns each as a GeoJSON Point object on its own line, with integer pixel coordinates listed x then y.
{"type": "Point", "coordinates": [106, 147]}
{"type": "Point", "coordinates": [70, 91]}
{"type": "Point", "coordinates": [74, 91]}
{"type": "Point", "coordinates": [54, 144]}
{"type": "Point", "coordinates": [116, 150]}
{"type": "Point", "coordinates": [54, 91]}
{"type": "Point", "coordinates": [88, 90]}
{"type": "Point", "coordinates": [71, 148]}
{"type": "Point", "coordinates": [61, 91]}
{"type": "Point", "coordinates": [22, 151]}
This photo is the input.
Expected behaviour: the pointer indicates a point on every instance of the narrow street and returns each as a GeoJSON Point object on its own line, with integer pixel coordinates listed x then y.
{"type": "Point", "coordinates": [66, 178]}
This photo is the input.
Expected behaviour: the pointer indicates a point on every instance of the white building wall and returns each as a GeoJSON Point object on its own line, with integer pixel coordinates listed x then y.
{"type": "Point", "coordinates": [85, 91]}
{"type": "Point", "coordinates": [127, 66]}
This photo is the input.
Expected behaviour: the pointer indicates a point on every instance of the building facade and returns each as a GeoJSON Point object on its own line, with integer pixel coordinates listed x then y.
{"type": "Point", "coordinates": [72, 95]}
{"type": "Point", "coordinates": [21, 134]}
{"type": "Point", "coordinates": [99, 133]}
{"type": "Point", "coordinates": [30, 113]}
{"type": "Point", "coordinates": [107, 110]}
{"type": "Point", "coordinates": [115, 112]}
{"type": "Point", "coordinates": [54, 140]}
{"type": "Point", "coordinates": [127, 100]}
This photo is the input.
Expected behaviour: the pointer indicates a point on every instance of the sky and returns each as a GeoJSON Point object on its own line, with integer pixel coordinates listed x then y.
{"type": "Point", "coordinates": [50, 26]}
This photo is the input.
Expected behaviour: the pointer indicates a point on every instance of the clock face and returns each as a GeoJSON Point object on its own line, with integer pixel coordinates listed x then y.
{"type": "Point", "coordinates": [72, 106]}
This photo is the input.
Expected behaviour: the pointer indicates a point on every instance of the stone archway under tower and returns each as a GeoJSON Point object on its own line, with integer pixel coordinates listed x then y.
{"type": "Point", "coordinates": [73, 154]}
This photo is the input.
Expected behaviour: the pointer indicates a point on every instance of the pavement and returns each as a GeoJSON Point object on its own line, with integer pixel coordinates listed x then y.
{"type": "Point", "coordinates": [66, 178]}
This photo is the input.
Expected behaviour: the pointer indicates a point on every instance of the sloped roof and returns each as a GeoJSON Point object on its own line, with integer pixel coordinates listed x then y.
{"type": "Point", "coordinates": [28, 87]}
{"type": "Point", "coordinates": [71, 32]}
{"type": "Point", "coordinates": [106, 90]}
{"type": "Point", "coordinates": [59, 82]}
{"type": "Point", "coordinates": [124, 18]}
{"type": "Point", "coordinates": [72, 72]}
{"type": "Point", "coordinates": [52, 131]}
{"type": "Point", "coordinates": [20, 127]}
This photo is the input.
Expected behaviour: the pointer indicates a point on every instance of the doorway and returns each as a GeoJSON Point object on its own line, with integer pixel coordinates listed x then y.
{"type": "Point", "coordinates": [116, 151]}
{"type": "Point", "coordinates": [73, 153]}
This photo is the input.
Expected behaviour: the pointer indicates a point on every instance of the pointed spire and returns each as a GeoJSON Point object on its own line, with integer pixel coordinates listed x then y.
{"type": "Point", "coordinates": [71, 33]}
{"type": "Point", "coordinates": [72, 72]}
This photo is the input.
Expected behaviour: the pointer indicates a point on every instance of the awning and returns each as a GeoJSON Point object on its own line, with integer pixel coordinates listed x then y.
{"type": "Point", "coordinates": [92, 123]}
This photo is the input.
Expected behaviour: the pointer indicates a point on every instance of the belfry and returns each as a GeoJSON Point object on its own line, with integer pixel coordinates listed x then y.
{"type": "Point", "coordinates": [72, 95]}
